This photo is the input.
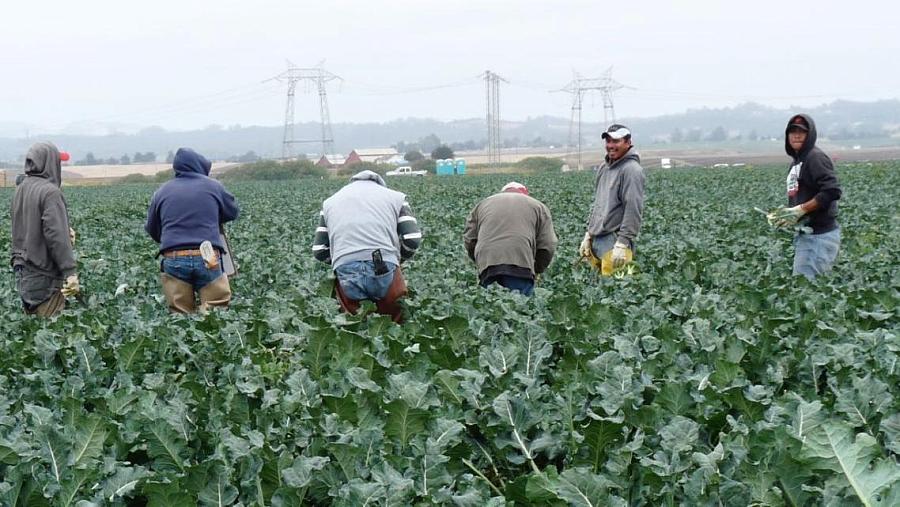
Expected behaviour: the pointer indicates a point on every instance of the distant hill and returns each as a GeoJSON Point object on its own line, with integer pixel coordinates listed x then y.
{"type": "Point", "coordinates": [841, 120]}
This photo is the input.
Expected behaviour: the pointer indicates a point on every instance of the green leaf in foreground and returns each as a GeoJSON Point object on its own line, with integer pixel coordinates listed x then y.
{"type": "Point", "coordinates": [858, 463]}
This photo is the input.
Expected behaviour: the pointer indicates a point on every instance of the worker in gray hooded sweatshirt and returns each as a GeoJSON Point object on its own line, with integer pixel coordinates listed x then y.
{"type": "Point", "coordinates": [616, 213]}
{"type": "Point", "coordinates": [42, 241]}
{"type": "Point", "coordinates": [365, 231]}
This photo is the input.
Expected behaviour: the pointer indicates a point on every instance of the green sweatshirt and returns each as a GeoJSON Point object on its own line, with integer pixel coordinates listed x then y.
{"type": "Point", "coordinates": [512, 229]}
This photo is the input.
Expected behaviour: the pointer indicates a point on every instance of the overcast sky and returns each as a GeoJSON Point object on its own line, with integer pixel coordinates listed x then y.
{"type": "Point", "coordinates": [187, 64]}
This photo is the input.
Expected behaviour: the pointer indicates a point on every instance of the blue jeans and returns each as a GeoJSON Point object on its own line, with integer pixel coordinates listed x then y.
{"type": "Point", "coordinates": [191, 269]}
{"type": "Point", "coordinates": [521, 285]}
{"type": "Point", "coordinates": [359, 281]}
{"type": "Point", "coordinates": [815, 254]}
{"type": "Point", "coordinates": [602, 244]}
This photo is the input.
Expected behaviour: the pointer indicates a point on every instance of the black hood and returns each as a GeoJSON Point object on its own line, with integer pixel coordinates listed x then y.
{"type": "Point", "coordinates": [810, 137]}
{"type": "Point", "coordinates": [43, 161]}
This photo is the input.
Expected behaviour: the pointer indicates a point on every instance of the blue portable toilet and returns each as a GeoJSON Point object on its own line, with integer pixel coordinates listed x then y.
{"type": "Point", "coordinates": [444, 167]}
{"type": "Point", "coordinates": [460, 166]}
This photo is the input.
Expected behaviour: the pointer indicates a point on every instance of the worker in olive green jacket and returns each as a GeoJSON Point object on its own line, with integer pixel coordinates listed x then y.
{"type": "Point", "coordinates": [510, 237]}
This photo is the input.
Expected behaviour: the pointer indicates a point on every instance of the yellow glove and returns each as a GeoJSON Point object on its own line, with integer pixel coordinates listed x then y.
{"type": "Point", "coordinates": [71, 287]}
{"type": "Point", "coordinates": [584, 250]}
{"type": "Point", "coordinates": [620, 255]}
{"type": "Point", "coordinates": [72, 236]}
{"type": "Point", "coordinates": [607, 263]}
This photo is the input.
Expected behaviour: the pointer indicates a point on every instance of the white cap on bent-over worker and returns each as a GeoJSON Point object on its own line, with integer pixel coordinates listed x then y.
{"type": "Point", "coordinates": [514, 186]}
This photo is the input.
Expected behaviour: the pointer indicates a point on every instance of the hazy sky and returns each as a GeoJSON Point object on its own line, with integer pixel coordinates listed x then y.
{"type": "Point", "coordinates": [186, 64]}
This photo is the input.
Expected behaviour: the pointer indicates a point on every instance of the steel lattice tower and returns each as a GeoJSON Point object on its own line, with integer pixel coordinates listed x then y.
{"type": "Point", "coordinates": [606, 85]}
{"type": "Point", "coordinates": [319, 77]}
{"type": "Point", "coordinates": [492, 108]}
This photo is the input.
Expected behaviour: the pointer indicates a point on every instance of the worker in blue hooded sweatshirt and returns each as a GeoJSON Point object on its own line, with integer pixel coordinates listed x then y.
{"type": "Point", "coordinates": [185, 217]}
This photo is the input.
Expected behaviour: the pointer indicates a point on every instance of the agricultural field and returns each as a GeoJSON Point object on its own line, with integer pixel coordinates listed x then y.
{"type": "Point", "coordinates": [710, 377]}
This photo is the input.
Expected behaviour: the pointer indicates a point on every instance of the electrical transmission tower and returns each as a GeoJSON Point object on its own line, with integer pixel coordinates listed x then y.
{"type": "Point", "coordinates": [492, 107]}
{"type": "Point", "coordinates": [578, 87]}
{"type": "Point", "coordinates": [317, 76]}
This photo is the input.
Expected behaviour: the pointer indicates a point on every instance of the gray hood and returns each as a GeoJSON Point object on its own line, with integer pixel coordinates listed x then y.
{"type": "Point", "coordinates": [43, 161]}
{"type": "Point", "coordinates": [631, 154]}
{"type": "Point", "coordinates": [368, 176]}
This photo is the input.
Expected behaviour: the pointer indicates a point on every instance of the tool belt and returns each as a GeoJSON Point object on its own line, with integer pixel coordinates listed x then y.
{"type": "Point", "coordinates": [181, 253]}
{"type": "Point", "coordinates": [211, 262]}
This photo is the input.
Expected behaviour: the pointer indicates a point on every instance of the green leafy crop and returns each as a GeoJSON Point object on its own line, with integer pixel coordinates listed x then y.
{"type": "Point", "coordinates": [709, 376]}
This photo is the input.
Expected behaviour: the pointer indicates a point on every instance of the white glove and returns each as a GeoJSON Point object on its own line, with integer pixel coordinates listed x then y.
{"type": "Point", "coordinates": [786, 217]}
{"type": "Point", "coordinates": [72, 236]}
{"type": "Point", "coordinates": [584, 249]}
{"type": "Point", "coordinates": [71, 287]}
{"type": "Point", "coordinates": [619, 255]}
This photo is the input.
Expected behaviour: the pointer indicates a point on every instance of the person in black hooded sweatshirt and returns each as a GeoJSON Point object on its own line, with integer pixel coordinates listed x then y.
{"type": "Point", "coordinates": [812, 192]}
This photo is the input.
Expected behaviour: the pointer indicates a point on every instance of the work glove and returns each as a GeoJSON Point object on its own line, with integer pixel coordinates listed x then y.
{"type": "Point", "coordinates": [72, 236]}
{"type": "Point", "coordinates": [787, 217]}
{"type": "Point", "coordinates": [584, 249]}
{"type": "Point", "coordinates": [619, 255]}
{"type": "Point", "coordinates": [209, 255]}
{"type": "Point", "coordinates": [71, 287]}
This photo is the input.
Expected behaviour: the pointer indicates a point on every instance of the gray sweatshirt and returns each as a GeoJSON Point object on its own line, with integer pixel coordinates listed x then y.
{"type": "Point", "coordinates": [364, 216]}
{"type": "Point", "coordinates": [40, 223]}
{"type": "Point", "coordinates": [618, 199]}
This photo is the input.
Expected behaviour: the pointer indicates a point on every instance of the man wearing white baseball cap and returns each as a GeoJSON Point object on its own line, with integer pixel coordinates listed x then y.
{"type": "Point", "coordinates": [510, 237]}
{"type": "Point", "coordinates": [615, 217]}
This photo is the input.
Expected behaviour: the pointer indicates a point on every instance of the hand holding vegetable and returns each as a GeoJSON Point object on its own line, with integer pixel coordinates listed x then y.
{"type": "Point", "coordinates": [71, 287]}
{"type": "Point", "coordinates": [584, 249]}
{"type": "Point", "coordinates": [786, 217]}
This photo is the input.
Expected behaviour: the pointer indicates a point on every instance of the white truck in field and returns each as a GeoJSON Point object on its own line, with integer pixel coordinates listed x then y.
{"type": "Point", "coordinates": [405, 171]}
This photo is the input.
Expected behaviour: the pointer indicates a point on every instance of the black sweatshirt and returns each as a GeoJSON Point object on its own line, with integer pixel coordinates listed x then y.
{"type": "Point", "coordinates": [812, 175]}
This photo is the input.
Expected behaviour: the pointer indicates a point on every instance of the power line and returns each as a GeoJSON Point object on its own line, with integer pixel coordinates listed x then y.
{"type": "Point", "coordinates": [710, 95]}
{"type": "Point", "coordinates": [200, 102]}
{"type": "Point", "coordinates": [381, 90]}
{"type": "Point", "coordinates": [259, 95]}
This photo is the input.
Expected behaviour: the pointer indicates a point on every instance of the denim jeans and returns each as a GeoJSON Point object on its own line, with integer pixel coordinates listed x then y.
{"type": "Point", "coordinates": [602, 244]}
{"type": "Point", "coordinates": [191, 269]}
{"type": "Point", "coordinates": [35, 287]}
{"type": "Point", "coordinates": [815, 254]}
{"type": "Point", "coordinates": [359, 281]}
{"type": "Point", "coordinates": [521, 285]}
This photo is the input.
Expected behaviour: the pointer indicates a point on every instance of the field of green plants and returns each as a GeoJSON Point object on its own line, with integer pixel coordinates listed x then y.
{"type": "Point", "coordinates": [710, 377]}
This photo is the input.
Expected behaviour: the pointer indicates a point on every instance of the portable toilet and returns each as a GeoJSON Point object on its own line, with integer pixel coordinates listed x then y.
{"type": "Point", "coordinates": [460, 166]}
{"type": "Point", "coordinates": [444, 167]}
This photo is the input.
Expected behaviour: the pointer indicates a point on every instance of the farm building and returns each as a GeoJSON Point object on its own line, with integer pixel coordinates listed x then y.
{"type": "Point", "coordinates": [376, 155]}
{"type": "Point", "coordinates": [333, 160]}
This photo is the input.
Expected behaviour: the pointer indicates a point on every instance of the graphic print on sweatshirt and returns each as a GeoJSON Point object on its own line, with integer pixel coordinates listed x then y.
{"type": "Point", "coordinates": [793, 179]}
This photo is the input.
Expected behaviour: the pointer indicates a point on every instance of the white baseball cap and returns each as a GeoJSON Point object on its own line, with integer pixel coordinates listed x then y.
{"type": "Point", "coordinates": [616, 131]}
{"type": "Point", "coordinates": [514, 186]}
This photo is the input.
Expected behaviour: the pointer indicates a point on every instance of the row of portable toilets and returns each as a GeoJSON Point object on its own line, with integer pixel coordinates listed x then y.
{"type": "Point", "coordinates": [450, 166]}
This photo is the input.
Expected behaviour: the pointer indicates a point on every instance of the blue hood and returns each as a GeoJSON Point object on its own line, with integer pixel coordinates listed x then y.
{"type": "Point", "coordinates": [188, 161]}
